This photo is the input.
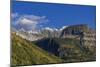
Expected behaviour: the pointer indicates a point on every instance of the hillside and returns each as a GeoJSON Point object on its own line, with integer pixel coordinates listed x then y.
{"type": "Point", "coordinates": [26, 53]}
{"type": "Point", "coordinates": [68, 49]}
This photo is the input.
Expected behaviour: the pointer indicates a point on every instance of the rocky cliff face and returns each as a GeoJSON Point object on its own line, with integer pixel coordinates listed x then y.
{"type": "Point", "coordinates": [74, 30]}
{"type": "Point", "coordinates": [81, 32]}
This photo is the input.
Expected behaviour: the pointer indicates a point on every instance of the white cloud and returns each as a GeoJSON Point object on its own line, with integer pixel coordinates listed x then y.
{"type": "Point", "coordinates": [14, 15]}
{"type": "Point", "coordinates": [27, 22]}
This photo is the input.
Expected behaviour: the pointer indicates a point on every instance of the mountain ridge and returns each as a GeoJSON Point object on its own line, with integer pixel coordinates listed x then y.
{"type": "Point", "coordinates": [47, 32]}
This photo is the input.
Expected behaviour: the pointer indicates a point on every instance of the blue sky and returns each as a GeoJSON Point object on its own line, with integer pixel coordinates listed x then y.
{"type": "Point", "coordinates": [56, 15]}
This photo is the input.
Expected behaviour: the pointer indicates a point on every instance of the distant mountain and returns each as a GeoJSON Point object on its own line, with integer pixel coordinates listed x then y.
{"type": "Point", "coordinates": [50, 32]}
{"type": "Point", "coordinates": [35, 35]}
{"type": "Point", "coordinates": [29, 35]}
{"type": "Point", "coordinates": [26, 53]}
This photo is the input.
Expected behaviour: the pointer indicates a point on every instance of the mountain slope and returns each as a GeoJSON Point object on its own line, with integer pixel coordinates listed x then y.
{"type": "Point", "coordinates": [26, 53]}
{"type": "Point", "coordinates": [68, 49]}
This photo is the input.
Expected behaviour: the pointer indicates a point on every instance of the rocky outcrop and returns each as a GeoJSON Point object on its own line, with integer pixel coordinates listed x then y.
{"type": "Point", "coordinates": [82, 33]}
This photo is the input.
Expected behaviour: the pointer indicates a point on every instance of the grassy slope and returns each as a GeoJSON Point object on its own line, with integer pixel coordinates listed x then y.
{"type": "Point", "coordinates": [26, 53]}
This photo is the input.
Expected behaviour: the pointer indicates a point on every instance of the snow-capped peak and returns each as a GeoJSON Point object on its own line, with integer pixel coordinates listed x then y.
{"type": "Point", "coordinates": [48, 28]}
{"type": "Point", "coordinates": [55, 29]}
{"type": "Point", "coordinates": [22, 29]}
{"type": "Point", "coordinates": [33, 31]}
{"type": "Point", "coordinates": [63, 28]}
